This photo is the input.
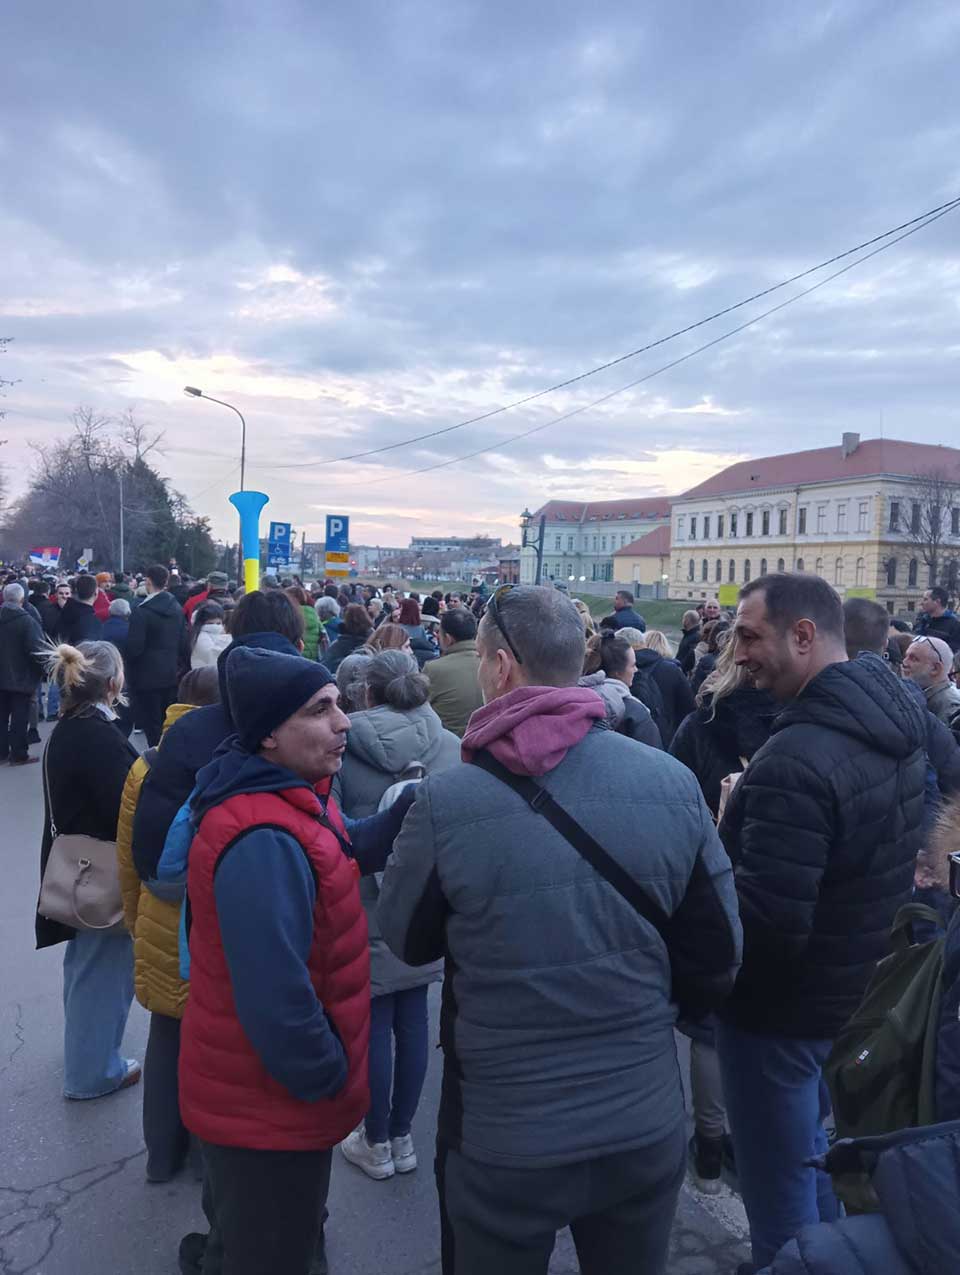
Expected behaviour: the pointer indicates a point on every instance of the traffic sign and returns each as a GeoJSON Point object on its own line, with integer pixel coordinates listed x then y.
{"type": "Point", "coordinates": [278, 546]}
{"type": "Point", "coordinates": [338, 545]}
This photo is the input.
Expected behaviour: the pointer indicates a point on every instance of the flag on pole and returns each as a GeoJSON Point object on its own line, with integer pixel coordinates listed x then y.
{"type": "Point", "coordinates": [45, 556]}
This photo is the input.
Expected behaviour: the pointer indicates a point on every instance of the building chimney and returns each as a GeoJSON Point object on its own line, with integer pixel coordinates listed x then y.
{"type": "Point", "coordinates": [849, 445]}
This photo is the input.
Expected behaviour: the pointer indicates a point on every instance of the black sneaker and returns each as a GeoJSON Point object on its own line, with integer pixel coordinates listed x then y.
{"type": "Point", "coordinates": [706, 1159]}
{"type": "Point", "coordinates": [33, 736]}
{"type": "Point", "coordinates": [192, 1248]}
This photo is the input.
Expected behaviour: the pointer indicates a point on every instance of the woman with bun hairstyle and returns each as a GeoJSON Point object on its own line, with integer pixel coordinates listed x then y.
{"type": "Point", "coordinates": [85, 767]}
{"type": "Point", "coordinates": [397, 736]}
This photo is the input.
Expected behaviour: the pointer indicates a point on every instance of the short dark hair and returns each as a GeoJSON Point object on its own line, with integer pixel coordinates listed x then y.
{"type": "Point", "coordinates": [546, 629]}
{"type": "Point", "coordinates": [158, 575]}
{"type": "Point", "coordinates": [866, 625]}
{"type": "Point", "coordinates": [459, 624]}
{"type": "Point", "coordinates": [625, 593]}
{"type": "Point", "coordinates": [790, 596]}
{"type": "Point", "coordinates": [939, 594]}
{"type": "Point", "coordinates": [85, 587]}
{"type": "Point", "coordinates": [270, 612]}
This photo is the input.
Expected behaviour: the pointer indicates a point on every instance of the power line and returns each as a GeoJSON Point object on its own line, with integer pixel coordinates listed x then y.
{"type": "Point", "coordinates": [931, 215]}
{"type": "Point", "coordinates": [556, 420]}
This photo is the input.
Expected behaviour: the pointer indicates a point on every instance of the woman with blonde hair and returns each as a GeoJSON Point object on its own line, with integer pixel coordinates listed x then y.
{"type": "Point", "coordinates": [655, 640]}
{"type": "Point", "coordinates": [85, 767]}
{"type": "Point", "coordinates": [588, 621]}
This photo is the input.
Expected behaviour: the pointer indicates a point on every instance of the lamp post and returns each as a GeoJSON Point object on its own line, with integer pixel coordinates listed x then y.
{"type": "Point", "coordinates": [193, 392]}
{"type": "Point", "coordinates": [526, 542]}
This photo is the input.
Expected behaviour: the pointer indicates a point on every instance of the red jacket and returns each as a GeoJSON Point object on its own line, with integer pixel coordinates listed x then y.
{"type": "Point", "coordinates": [226, 1094]}
{"type": "Point", "coordinates": [193, 602]}
{"type": "Point", "coordinates": [101, 606]}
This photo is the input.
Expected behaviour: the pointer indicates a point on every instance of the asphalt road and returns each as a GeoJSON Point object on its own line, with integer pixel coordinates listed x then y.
{"type": "Point", "coordinates": [73, 1197]}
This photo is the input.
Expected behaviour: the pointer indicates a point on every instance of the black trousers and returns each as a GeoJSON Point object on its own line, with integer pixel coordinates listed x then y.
{"type": "Point", "coordinates": [620, 1209]}
{"type": "Point", "coordinates": [149, 709]}
{"type": "Point", "coordinates": [166, 1139]}
{"type": "Point", "coordinates": [14, 716]}
{"type": "Point", "coordinates": [264, 1209]}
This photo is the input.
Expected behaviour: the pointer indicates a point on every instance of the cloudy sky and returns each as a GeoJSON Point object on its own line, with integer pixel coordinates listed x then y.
{"type": "Point", "coordinates": [362, 222]}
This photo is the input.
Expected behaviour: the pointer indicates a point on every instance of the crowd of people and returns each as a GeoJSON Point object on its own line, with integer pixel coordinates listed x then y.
{"type": "Point", "coordinates": [348, 793]}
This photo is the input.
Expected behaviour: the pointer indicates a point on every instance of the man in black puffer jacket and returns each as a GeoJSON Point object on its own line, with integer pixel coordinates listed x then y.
{"type": "Point", "coordinates": [823, 831]}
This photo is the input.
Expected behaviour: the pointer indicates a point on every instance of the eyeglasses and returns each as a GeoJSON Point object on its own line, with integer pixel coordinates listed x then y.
{"type": "Point", "coordinates": [924, 638]}
{"type": "Point", "coordinates": [495, 612]}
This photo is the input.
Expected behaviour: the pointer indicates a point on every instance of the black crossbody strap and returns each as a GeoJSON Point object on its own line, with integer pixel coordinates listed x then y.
{"type": "Point", "coordinates": [585, 845]}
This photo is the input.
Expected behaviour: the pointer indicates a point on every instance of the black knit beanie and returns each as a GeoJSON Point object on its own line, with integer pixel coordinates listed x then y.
{"type": "Point", "coordinates": [265, 688]}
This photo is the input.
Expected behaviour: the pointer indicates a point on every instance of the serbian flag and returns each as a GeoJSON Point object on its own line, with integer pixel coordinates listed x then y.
{"type": "Point", "coordinates": [45, 556]}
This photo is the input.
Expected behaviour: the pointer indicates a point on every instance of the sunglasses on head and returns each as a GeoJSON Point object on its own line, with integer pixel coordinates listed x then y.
{"type": "Point", "coordinates": [495, 612]}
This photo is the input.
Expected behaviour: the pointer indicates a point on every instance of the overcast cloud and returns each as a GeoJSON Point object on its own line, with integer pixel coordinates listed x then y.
{"type": "Point", "coordinates": [360, 222]}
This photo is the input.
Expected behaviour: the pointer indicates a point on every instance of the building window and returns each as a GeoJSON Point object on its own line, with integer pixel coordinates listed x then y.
{"type": "Point", "coordinates": [720, 525]}
{"type": "Point", "coordinates": [821, 519]}
{"type": "Point", "coordinates": [952, 573]}
{"type": "Point", "coordinates": [912, 571]}
{"type": "Point", "coordinates": [704, 570]}
{"type": "Point", "coordinates": [693, 526]}
{"type": "Point", "coordinates": [746, 571]}
{"type": "Point", "coordinates": [569, 544]}
{"type": "Point", "coordinates": [603, 544]}
{"type": "Point", "coordinates": [557, 542]}
{"type": "Point", "coordinates": [891, 573]}
{"type": "Point", "coordinates": [781, 566]}
{"type": "Point", "coordinates": [818, 568]}
{"type": "Point", "coordinates": [841, 517]}
{"type": "Point", "coordinates": [594, 546]}
{"type": "Point", "coordinates": [749, 530]}
{"type": "Point", "coordinates": [690, 569]}
{"type": "Point", "coordinates": [706, 526]}
{"type": "Point", "coordinates": [765, 523]}
{"type": "Point", "coordinates": [679, 569]}
{"type": "Point", "coordinates": [763, 566]}
{"type": "Point", "coordinates": [718, 575]}
{"type": "Point", "coordinates": [783, 522]}
{"type": "Point", "coordinates": [915, 517]}
{"type": "Point", "coordinates": [732, 571]}
{"type": "Point", "coordinates": [861, 577]}
{"type": "Point", "coordinates": [863, 516]}
{"type": "Point", "coordinates": [894, 515]}
{"type": "Point", "coordinates": [955, 522]}
{"type": "Point", "coordinates": [733, 526]}
{"type": "Point", "coordinates": [799, 564]}
{"type": "Point", "coordinates": [838, 571]}
{"type": "Point", "coordinates": [802, 522]}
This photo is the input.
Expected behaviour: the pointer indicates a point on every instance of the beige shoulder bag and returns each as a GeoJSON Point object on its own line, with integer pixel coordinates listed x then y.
{"type": "Point", "coordinates": [81, 884]}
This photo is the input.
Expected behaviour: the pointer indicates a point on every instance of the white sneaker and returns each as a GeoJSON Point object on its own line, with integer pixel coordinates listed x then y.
{"type": "Point", "coordinates": [375, 1159]}
{"type": "Point", "coordinates": [404, 1156]}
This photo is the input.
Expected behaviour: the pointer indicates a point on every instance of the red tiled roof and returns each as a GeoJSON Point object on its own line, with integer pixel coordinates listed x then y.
{"type": "Point", "coordinates": [872, 457]}
{"type": "Point", "coordinates": [655, 544]}
{"type": "Point", "coordinates": [605, 510]}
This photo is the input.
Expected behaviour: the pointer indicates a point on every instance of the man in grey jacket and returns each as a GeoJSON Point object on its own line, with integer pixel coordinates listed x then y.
{"type": "Point", "coordinates": [561, 1099]}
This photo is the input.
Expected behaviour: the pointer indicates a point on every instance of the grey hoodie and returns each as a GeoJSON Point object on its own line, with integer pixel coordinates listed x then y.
{"type": "Point", "coordinates": [383, 744]}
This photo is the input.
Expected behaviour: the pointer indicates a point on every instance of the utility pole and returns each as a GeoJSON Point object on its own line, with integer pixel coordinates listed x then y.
{"type": "Point", "coordinates": [303, 552]}
{"type": "Point", "coordinates": [120, 478]}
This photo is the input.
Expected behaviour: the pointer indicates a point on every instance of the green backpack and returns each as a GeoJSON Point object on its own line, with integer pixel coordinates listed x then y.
{"type": "Point", "coordinates": [881, 1068]}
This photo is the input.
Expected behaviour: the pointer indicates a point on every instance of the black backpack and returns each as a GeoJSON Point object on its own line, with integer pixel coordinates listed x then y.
{"type": "Point", "coordinates": [645, 689]}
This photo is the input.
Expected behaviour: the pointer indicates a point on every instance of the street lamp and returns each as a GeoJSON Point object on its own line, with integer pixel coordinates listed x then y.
{"type": "Point", "coordinates": [526, 526]}
{"type": "Point", "coordinates": [193, 392]}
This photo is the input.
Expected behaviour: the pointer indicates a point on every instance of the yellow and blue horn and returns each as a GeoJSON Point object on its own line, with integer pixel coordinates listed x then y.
{"type": "Point", "coordinates": [249, 505]}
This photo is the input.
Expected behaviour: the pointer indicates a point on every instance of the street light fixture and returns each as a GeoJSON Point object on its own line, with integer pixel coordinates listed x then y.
{"type": "Point", "coordinates": [526, 526]}
{"type": "Point", "coordinates": [193, 392]}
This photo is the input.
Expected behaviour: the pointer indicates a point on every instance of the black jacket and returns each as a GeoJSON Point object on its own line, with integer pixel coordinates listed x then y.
{"type": "Point", "coordinates": [87, 760]}
{"type": "Point", "coordinates": [686, 651]}
{"type": "Point", "coordinates": [343, 645]}
{"type": "Point", "coordinates": [711, 743]}
{"type": "Point", "coordinates": [21, 638]}
{"type": "Point", "coordinates": [116, 630]}
{"type": "Point", "coordinates": [157, 644]}
{"type": "Point", "coordinates": [675, 693]}
{"type": "Point", "coordinates": [423, 648]}
{"type": "Point", "coordinates": [945, 626]}
{"type": "Point", "coordinates": [48, 612]}
{"type": "Point", "coordinates": [628, 619]}
{"type": "Point", "coordinates": [188, 745]}
{"type": "Point", "coordinates": [78, 623]}
{"type": "Point", "coordinates": [823, 831]}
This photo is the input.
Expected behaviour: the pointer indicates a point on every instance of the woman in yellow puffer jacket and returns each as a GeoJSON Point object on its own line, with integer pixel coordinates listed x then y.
{"type": "Point", "coordinates": [154, 923]}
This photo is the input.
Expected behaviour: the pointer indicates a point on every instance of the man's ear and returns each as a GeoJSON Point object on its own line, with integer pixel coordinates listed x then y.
{"type": "Point", "coordinates": [804, 631]}
{"type": "Point", "coordinates": [299, 645]}
{"type": "Point", "coordinates": [268, 744]}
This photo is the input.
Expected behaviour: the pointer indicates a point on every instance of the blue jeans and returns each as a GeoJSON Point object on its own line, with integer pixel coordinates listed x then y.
{"type": "Point", "coordinates": [399, 1017]}
{"type": "Point", "coordinates": [53, 697]}
{"type": "Point", "coordinates": [776, 1104]}
{"type": "Point", "coordinates": [97, 993]}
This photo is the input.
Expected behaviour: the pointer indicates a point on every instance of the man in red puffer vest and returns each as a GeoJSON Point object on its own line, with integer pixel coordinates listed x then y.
{"type": "Point", "coordinates": [273, 1057]}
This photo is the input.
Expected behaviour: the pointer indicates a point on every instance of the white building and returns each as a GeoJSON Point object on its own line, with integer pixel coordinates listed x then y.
{"type": "Point", "coordinates": [580, 538]}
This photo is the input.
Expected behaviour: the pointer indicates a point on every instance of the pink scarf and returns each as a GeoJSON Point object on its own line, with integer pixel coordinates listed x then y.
{"type": "Point", "coordinates": [531, 730]}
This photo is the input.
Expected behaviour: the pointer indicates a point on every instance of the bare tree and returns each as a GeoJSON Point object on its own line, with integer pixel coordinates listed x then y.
{"type": "Point", "coordinates": [931, 523]}
{"type": "Point", "coordinates": [137, 435]}
{"type": "Point", "coordinates": [5, 384]}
